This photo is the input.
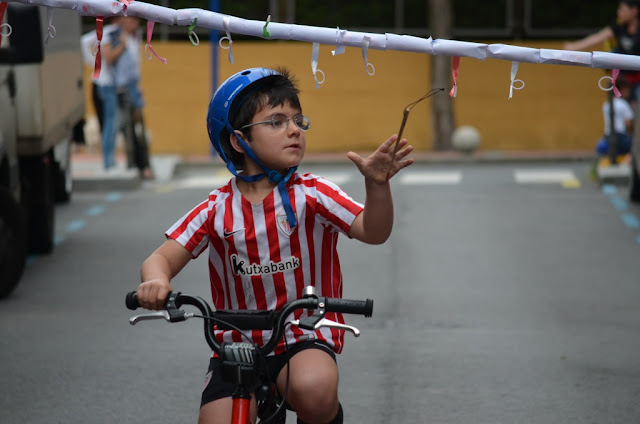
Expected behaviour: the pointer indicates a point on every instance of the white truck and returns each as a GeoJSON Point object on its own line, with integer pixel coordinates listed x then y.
{"type": "Point", "coordinates": [41, 101]}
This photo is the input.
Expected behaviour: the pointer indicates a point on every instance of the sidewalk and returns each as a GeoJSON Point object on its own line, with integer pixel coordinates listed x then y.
{"type": "Point", "coordinates": [88, 173]}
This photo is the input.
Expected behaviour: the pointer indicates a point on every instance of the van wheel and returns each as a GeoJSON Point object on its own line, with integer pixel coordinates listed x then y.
{"type": "Point", "coordinates": [634, 182]}
{"type": "Point", "coordinates": [38, 184]}
{"type": "Point", "coordinates": [13, 242]}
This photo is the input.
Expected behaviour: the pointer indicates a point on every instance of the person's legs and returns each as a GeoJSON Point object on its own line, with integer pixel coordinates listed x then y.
{"type": "Point", "coordinates": [313, 386]}
{"type": "Point", "coordinates": [110, 117]}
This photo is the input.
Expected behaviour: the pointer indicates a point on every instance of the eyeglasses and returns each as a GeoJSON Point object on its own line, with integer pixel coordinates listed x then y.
{"type": "Point", "coordinates": [280, 121]}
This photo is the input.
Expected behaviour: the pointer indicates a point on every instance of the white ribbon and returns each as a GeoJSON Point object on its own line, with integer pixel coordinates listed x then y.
{"type": "Point", "coordinates": [225, 23]}
{"type": "Point", "coordinates": [513, 86]}
{"type": "Point", "coordinates": [315, 52]}
{"type": "Point", "coordinates": [51, 30]}
{"type": "Point", "coordinates": [368, 67]}
{"type": "Point", "coordinates": [339, 42]}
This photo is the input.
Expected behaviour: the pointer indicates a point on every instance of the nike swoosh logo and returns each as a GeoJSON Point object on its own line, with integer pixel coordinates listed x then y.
{"type": "Point", "coordinates": [227, 235]}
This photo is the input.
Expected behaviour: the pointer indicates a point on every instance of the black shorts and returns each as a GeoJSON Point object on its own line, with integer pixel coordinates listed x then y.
{"type": "Point", "coordinates": [215, 388]}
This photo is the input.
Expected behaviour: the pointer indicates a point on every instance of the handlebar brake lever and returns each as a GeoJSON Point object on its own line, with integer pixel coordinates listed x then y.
{"type": "Point", "coordinates": [173, 316]}
{"type": "Point", "coordinates": [323, 322]}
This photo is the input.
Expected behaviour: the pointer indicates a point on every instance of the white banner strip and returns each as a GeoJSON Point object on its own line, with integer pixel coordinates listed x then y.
{"type": "Point", "coordinates": [214, 21]}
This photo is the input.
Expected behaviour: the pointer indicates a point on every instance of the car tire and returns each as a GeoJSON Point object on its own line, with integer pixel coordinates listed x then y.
{"type": "Point", "coordinates": [39, 197]}
{"type": "Point", "coordinates": [13, 242]}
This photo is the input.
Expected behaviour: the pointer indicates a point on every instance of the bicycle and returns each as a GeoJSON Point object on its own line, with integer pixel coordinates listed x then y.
{"type": "Point", "coordinates": [243, 362]}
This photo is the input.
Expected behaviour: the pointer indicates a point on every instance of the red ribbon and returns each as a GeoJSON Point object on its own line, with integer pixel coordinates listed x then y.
{"type": "Point", "coordinates": [614, 77]}
{"type": "Point", "coordinates": [454, 72]}
{"type": "Point", "coordinates": [3, 7]}
{"type": "Point", "coordinates": [98, 64]}
{"type": "Point", "coordinates": [150, 25]}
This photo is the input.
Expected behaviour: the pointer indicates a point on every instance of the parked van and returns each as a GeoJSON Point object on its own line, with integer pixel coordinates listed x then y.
{"type": "Point", "coordinates": [41, 101]}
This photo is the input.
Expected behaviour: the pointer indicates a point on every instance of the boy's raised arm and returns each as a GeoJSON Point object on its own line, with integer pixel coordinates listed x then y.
{"type": "Point", "coordinates": [374, 224]}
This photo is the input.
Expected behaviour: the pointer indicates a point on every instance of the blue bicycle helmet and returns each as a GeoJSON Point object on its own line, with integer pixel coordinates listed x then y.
{"type": "Point", "coordinates": [232, 93]}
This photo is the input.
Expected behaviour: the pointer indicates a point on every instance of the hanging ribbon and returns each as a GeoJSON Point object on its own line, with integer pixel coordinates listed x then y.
{"type": "Point", "coordinates": [368, 67]}
{"type": "Point", "coordinates": [513, 86]}
{"type": "Point", "coordinates": [98, 64]}
{"type": "Point", "coordinates": [193, 37]}
{"type": "Point", "coordinates": [315, 52]}
{"type": "Point", "coordinates": [51, 30]}
{"type": "Point", "coordinates": [454, 71]}
{"type": "Point", "coordinates": [339, 42]}
{"type": "Point", "coordinates": [150, 25]}
{"type": "Point", "coordinates": [225, 23]}
{"type": "Point", "coordinates": [612, 78]}
{"type": "Point", "coordinates": [265, 33]}
{"type": "Point", "coordinates": [3, 7]}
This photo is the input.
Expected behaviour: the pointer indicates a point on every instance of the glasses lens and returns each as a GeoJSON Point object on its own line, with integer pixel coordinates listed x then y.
{"type": "Point", "coordinates": [302, 122]}
{"type": "Point", "coordinates": [279, 120]}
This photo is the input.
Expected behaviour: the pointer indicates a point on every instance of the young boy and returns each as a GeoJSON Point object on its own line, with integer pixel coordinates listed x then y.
{"type": "Point", "coordinates": [256, 125]}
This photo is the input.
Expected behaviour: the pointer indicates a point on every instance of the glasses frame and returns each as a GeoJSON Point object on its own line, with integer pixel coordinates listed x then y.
{"type": "Point", "coordinates": [289, 118]}
{"type": "Point", "coordinates": [405, 116]}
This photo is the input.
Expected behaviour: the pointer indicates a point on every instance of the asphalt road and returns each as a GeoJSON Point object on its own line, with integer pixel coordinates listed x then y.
{"type": "Point", "coordinates": [506, 294]}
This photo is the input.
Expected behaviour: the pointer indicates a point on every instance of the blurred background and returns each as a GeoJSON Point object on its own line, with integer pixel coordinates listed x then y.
{"type": "Point", "coordinates": [559, 108]}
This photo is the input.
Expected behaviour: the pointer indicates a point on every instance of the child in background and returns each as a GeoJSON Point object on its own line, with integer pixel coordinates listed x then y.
{"type": "Point", "coordinates": [622, 121]}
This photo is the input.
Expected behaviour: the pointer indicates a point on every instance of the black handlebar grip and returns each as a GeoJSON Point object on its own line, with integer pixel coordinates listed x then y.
{"type": "Point", "coordinates": [358, 307]}
{"type": "Point", "coordinates": [132, 301]}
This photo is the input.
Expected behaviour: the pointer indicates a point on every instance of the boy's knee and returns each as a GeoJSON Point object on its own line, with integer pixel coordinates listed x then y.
{"type": "Point", "coordinates": [337, 419]}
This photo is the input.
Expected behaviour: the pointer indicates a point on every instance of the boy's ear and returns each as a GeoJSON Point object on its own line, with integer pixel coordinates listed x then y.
{"type": "Point", "coordinates": [235, 144]}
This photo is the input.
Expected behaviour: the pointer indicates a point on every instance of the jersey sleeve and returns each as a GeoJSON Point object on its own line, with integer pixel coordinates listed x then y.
{"type": "Point", "coordinates": [336, 206]}
{"type": "Point", "coordinates": [192, 230]}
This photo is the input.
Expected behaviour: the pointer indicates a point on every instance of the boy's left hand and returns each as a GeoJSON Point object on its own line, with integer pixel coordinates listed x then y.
{"type": "Point", "coordinates": [376, 166]}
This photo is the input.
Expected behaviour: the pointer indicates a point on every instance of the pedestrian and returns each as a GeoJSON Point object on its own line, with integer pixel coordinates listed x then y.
{"type": "Point", "coordinates": [267, 214]}
{"type": "Point", "coordinates": [622, 121]}
{"type": "Point", "coordinates": [127, 80]}
{"type": "Point", "coordinates": [104, 94]}
{"type": "Point", "coordinates": [625, 32]}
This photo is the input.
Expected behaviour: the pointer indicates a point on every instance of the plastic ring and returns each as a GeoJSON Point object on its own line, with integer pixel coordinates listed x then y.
{"type": "Point", "coordinates": [94, 49]}
{"type": "Point", "coordinates": [519, 86]}
{"type": "Point", "coordinates": [192, 36]}
{"type": "Point", "coordinates": [52, 31]}
{"type": "Point", "coordinates": [371, 70]}
{"type": "Point", "coordinates": [227, 47]}
{"type": "Point", "coordinates": [605, 88]}
{"type": "Point", "coordinates": [8, 31]}
{"type": "Point", "coordinates": [319, 71]}
{"type": "Point", "coordinates": [147, 52]}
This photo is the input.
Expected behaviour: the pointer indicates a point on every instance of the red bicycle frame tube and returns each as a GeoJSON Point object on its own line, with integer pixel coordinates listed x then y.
{"type": "Point", "coordinates": [241, 411]}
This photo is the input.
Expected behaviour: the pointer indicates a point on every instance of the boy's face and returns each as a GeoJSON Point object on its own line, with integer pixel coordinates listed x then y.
{"type": "Point", "coordinates": [277, 148]}
{"type": "Point", "coordinates": [626, 13]}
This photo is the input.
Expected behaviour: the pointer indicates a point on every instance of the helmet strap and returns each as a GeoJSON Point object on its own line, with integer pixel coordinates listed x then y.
{"type": "Point", "coordinates": [273, 176]}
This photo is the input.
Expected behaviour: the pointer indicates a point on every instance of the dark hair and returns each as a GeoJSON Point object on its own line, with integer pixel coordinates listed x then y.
{"type": "Point", "coordinates": [631, 3]}
{"type": "Point", "coordinates": [271, 91]}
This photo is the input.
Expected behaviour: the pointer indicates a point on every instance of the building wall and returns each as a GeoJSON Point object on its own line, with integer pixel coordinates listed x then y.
{"type": "Point", "coordinates": [558, 109]}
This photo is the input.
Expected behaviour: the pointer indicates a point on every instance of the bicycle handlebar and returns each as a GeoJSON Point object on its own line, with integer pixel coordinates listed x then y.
{"type": "Point", "coordinates": [256, 320]}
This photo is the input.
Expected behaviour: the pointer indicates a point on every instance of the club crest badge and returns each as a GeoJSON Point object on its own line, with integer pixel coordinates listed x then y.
{"type": "Point", "coordinates": [283, 224]}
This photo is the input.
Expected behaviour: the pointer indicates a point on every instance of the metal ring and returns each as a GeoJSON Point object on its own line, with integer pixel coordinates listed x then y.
{"type": "Point", "coordinates": [147, 52]}
{"type": "Point", "coordinates": [193, 35]}
{"type": "Point", "coordinates": [225, 47]}
{"type": "Point", "coordinates": [52, 31]}
{"type": "Point", "coordinates": [319, 71]}
{"type": "Point", "coordinates": [517, 87]}
{"type": "Point", "coordinates": [371, 70]}
{"type": "Point", "coordinates": [9, 30]}
{"type": "Point", "coordinates": [605, 88]}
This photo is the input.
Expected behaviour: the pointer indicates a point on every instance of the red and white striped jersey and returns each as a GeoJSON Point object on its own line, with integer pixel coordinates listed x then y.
{"type": "Point", "coordinates": [256, 261]}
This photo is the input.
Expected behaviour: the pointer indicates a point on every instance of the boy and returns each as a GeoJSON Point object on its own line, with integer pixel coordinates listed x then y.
{"type": "Point", "coordinates": [256, 125]}
{"type": "Point", "coordinates": [622, 121]}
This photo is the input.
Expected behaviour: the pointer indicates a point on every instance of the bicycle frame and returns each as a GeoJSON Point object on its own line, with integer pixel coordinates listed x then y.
{"type": "Point", "coordinates": [239, 358]}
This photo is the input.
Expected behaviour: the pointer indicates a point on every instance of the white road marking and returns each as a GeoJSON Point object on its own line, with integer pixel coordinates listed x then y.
{"type": "Point", "coordinates": [543, 176]}
{"type": "Point", "coordinates": [431, 178]}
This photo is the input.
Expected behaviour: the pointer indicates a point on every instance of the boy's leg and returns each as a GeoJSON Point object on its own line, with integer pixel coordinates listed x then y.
{"type": "Point", "coordinates": [313, 385]}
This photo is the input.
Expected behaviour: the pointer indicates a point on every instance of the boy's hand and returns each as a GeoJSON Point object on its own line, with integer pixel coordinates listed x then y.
{"type": "Point", "coordinates": [376, 166]}
{"type": "Point", "coordinates": [152, 294]}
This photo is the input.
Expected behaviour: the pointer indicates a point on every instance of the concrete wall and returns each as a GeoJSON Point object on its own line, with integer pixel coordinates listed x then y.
{"type": "Point", "coordinates": [559, 108]}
